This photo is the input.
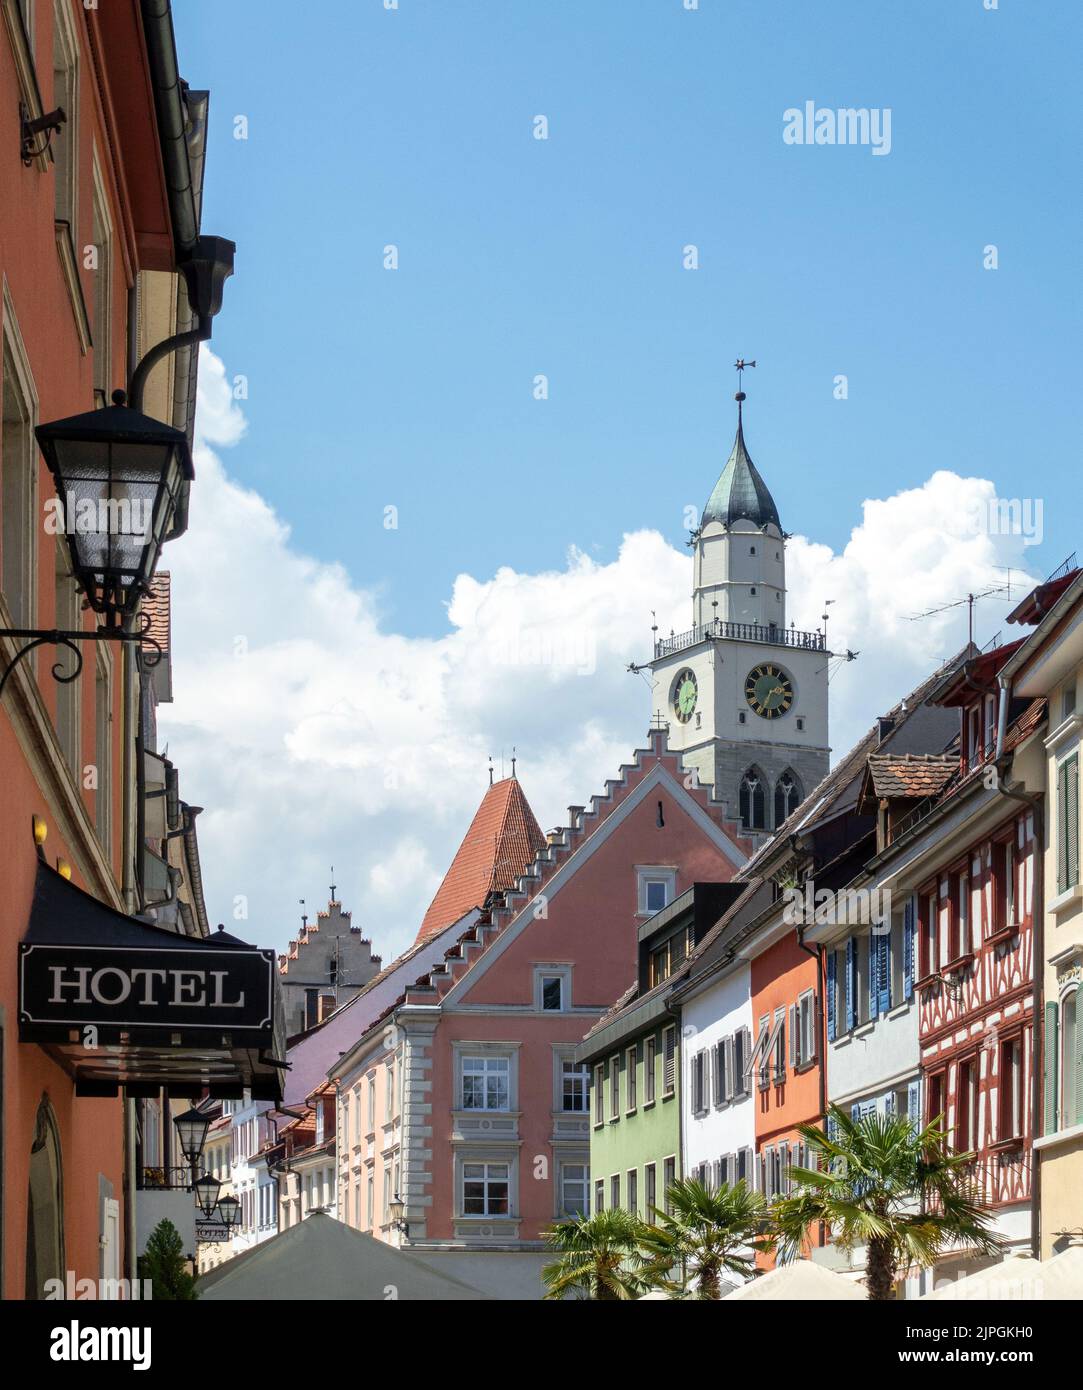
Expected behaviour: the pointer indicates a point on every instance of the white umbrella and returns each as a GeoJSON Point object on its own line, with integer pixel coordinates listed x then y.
{"type": "Point", "coordinates": [1022, 1278]}
{"type": "Point", "coordinates": [802, 1280]}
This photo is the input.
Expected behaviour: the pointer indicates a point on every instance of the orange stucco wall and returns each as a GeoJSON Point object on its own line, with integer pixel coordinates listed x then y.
{"type": "Point", "coordinates": [40, 315]}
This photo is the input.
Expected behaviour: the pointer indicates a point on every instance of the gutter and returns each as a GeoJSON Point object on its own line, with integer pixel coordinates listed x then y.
{"type": "Point", "coordinates": [170, 108]}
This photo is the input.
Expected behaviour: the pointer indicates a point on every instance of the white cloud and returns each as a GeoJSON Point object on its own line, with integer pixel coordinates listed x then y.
{"type": "Point", "coordinates": [314, 736]}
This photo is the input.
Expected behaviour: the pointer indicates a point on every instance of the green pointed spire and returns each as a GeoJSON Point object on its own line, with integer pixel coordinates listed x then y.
{"type": "Point", "coordinates": [740, 493]}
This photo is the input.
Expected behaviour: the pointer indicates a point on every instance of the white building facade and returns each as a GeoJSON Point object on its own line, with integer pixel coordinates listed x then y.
{"type": "Point", "coordinates": [718, 1126]}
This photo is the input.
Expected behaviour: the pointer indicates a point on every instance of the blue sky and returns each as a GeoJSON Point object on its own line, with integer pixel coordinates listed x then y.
{"type": "Point", "coordinates": [517, 256]}
{"type": "Point", "coordinates": [375, 680]}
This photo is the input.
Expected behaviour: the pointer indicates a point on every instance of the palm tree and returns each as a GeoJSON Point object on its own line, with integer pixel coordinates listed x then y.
{"type": "Point", "coordinates": [599, 1257]}
{"type": "Point", "coordinates": [882, 1182]}
{"type": "Point", "coordinates": [704, 1235]}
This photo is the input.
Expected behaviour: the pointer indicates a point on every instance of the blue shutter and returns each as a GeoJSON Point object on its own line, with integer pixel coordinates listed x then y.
{"type": "Point", "coordinates": [913, 1104]}
{"type": "Point", "coordinates": [855, 1111]}
{"type": "Point", "coordinates": [831, 987]}
{"type": "Point", "coordinates": [851, 992]}
{"type": "Point", "coordinates": [874, 973]}
{"type": "Point", "coordinates": [884, 979]}
{"type": "Point", "coordinates": [909, 916]}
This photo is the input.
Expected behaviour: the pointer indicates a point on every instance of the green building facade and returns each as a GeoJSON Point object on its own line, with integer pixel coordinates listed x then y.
{"type": "Point", "coordinates": [633, 1054]}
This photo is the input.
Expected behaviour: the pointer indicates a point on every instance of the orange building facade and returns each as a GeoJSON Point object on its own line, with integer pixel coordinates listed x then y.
{"type": "Point", "coordinates": [89, 237]}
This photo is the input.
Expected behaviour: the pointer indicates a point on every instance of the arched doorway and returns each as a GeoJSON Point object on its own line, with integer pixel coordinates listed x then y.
{"type": "Point", "coordinates": [44, 1205]}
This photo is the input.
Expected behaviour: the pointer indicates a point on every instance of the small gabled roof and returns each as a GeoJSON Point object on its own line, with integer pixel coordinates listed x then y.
{"type": "Point", "coordinates": [911, 776]}
{"type": "Point", "coordinates": [740, 493]}
{"type": "Point", "coordinates": [503, 838]}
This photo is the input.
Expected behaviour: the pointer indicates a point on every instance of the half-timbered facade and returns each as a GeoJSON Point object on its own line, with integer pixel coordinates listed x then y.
{"type": "Point", "coordinates": [1049, 665]}
{"type": "Point", "coordinates": [962, 866]}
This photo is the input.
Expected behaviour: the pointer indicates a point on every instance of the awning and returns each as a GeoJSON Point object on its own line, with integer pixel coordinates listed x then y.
{"type": "Point", "coordinates": [120, 1003]}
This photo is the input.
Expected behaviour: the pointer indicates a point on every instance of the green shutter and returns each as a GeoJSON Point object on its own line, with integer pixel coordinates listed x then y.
{"type": "Point", "coordinates": [1052, 1051]}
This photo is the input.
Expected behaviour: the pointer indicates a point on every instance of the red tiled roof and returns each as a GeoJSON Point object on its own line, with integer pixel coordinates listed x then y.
{"type": "Point", "coordinates": [980, 671]}
{"type": "Point", "coordinates": [502, 840]}
{"type": "Point", "coordinates": [1040, 600]}
{"type": "Point", "coordinates": [157, 605]}
{"type": "Point", "coordinates": [1025, 725]}
{"type": "Point", "coordinates": [911, 774]}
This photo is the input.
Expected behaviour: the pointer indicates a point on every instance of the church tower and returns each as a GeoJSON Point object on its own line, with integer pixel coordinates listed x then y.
{"type": "Point", "coordinates": [744, 695]}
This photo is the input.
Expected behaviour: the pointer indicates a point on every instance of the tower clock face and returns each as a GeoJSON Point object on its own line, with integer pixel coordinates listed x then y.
{"type": "Point", "coordinates": [685, 693]}
{"type": "Point", "coordinates": [769, 690]}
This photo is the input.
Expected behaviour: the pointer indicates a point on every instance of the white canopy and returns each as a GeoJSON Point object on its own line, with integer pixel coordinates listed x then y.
{"type": "Point", "coordinates": [323, 1259]}
{"type": "Point", "coordinates": [802, 1280]}
{"type": "Point", "coordinates": [1022, 1278]}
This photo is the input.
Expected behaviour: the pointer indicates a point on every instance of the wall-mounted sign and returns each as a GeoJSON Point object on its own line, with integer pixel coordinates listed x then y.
{"type": "Point", "coordinates": [211, 1232]}
{"type": "Point", "coordinates": [196, 991]}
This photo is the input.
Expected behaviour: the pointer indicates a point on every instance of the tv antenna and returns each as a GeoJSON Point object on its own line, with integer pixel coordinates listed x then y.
{"type": "Point", "coordinates": [995, 590]}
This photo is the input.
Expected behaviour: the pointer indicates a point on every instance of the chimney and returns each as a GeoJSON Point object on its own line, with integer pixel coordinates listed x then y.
{"type": "Point", "coordinates": [327, 1006]}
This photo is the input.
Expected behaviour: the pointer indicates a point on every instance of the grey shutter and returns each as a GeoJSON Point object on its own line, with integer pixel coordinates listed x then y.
{"type": "Point", "coordinates": [731, 1084]}
{"type": "Point", "coordinates": [1068, 838]}
{"type": "Point", "coordinates": [1052, 1051]}
{"type": "Point", "coordinates": [795, 1050]}
{"type": "Point", "coordinates": [913, 1104]}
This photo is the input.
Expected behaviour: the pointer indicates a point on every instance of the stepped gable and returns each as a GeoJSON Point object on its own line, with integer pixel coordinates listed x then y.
{"type": "Point", "coordinates": [564, 843]}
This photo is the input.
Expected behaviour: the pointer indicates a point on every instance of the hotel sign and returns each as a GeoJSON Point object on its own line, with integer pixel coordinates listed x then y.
{"type": "Point", "coordinates": [198, 992]}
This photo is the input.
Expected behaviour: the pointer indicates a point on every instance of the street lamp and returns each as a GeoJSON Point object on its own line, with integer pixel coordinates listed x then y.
{"type": "Point", "coordinates": [206, 1189]}
{"type": "Point", "coordinates": [396, 1209]}
{"type": "Point", "coordinates": [121, 480]}
{"type": "Point", "coordinates": [118, 476]}
{"type": "Point", "coordinates": [229, 1209]}
{"type": "Point", "coordinates": [192, 1129]}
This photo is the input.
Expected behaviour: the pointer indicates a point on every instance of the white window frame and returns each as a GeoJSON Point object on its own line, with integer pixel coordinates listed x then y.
{"type": "Point", "coordinates": [479, 1063]}
{"type": "Point", "coordinates": [561, 972]}
{"type": "Point", "coordinates": [566, 1179]}
{"type": "Point", "coordinates": [15, 372]}
{"type": "Point", "coordinates": [665, 874]}
{"type": "Point", "coordinates": [631, 1085]}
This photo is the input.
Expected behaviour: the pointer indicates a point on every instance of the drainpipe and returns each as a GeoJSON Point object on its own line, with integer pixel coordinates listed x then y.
{"type": "Point", "coordinates": [1037, 1046]}
{"type": "Point", "coordinates": [1002, 717]}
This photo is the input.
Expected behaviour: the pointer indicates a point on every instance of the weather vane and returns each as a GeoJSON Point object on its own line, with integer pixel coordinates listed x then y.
{"type": "Point", "coordinates": [739, 366]}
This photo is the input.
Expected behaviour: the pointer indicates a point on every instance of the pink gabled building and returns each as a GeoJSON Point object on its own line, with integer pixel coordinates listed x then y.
{"type": "Point", "coordinates": [463, 1100]}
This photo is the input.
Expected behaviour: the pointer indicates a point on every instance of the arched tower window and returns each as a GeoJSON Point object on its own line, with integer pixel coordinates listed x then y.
{"type": "Point", "coordinates": [44, 1205]}
{"type": "Point", "coordinates": [753, 800]}
{"type": "Point", "coordinates": [787, 796]}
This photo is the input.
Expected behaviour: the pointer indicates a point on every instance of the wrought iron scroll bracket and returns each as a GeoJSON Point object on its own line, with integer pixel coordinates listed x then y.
{"type": "Point", "coordinates": [70, 639]}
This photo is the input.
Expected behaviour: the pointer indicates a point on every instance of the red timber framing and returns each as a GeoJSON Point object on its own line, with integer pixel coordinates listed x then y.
{"type": "Point", "coordinates": [976, 1012]}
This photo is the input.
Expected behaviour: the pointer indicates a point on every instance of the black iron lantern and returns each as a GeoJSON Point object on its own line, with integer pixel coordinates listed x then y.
{"type": "Point", "coordinates": [229, 1209]}
{"type": "Point", "coordinates": [206, 1190]}
{"type": "Point", "coordinates": [192, 1129]}
{"type": "Point", "coordinates": [120, 478]}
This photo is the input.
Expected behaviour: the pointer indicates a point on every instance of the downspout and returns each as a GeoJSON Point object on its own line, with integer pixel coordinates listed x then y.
{"type": "Point", "coordinates": [1037, 1046]}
